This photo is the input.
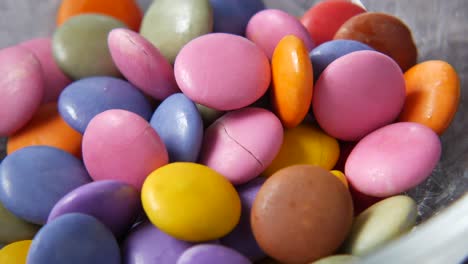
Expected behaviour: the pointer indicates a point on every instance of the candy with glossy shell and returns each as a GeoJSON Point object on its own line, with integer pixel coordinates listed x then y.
{"type": "Point", "coordinates": [209, 115]}
{"type": "Point", "coordinates": [393, 159]}
{"type": "Point", "coordinates": [180, 127]}
{"type": "Point", "coordinates": [305, 144]}
{"type": "Point", "coordinates": [171, 24]}
{"type": "Point", "coordinates": [357, 94]}
{"type": "Point", "coordinates": [432, 95]}
{"type": "Point", "coordinates": [120, 145]}
{"type": "Point", "coordinates": [293, 81]}
{"type": "Point", "coordinates": [141, 63]}
{"type": "Point", "coordinates": [340, 175]}
{"type": "Point", "coordinates": [233, 16]}
{"type": "Point", "coordinates": [80, 46]}
{"type": "Point", "coordinates": [384, 33]}
{"type": "Point", "coordinates": [126, 11]}
{"type": "Point", "coordinates": [33, 179]}
{"type": "Point", "coordinates": [337, 259]}
{"type": "Point", "coordinates": [82, 100]}
{"type": "Point", "coordinates": [242, 143]}
{"type": "Point", "coordinates": [381, 223]}
{"type": "Point", "coordinates": [302, 213]}
{"type": "Point", "coordinates": [222, 71]}
{"type": "Point", "coordinates": [22, 88]}
{"type": "Point", "coordinates": [15, 253]}
{"type": "Point", "coordinates": [191, 202]}
{"type": "Point", "coordinates": [46, 128]}
{"type": "Point", "coordinates": [268, 27]}
{"type": "Point", "coordinates": [202, 254]}
{"type": "Point", "coordinates": [13, 228]}
{"type": "Point", "coordinates": [114, 203]}
{"type": "Point", "coordinates": [74, 239]}
{"type": "Point", "coordinates": [54, 79]}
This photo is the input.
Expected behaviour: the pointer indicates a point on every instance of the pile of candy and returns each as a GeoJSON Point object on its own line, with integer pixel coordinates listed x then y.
{"type": "Point", "coordinates": [274, 137]}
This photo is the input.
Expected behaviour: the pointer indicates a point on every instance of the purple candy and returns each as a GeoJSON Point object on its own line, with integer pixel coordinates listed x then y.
{"type": "Point", "coordinates": [114, 203]}
{"type": "Point", "coordinates": [242, 238]}
{"type": "Point", "coordinates": [212, 254]}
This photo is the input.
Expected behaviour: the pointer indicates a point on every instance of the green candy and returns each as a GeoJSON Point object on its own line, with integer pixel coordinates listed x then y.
{"type": "Point", "coordinates": [80, 46]}
{"type": "Point", "coordinates": [209, 115]}
{"type": "Point", "coordinates": [14, 229]}
{"type": "Point", "coordinates": [170, 24]}
{"type": "Point", "coordinates": [337, 259]}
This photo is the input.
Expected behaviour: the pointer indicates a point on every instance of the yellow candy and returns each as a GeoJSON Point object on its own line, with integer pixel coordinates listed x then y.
{"type": "Point", "coordinates": [15, 253]}
{"type": "Point", "coordinates": [305, 145]}
{"type": "Point", "coordinates": [191, 202]}
{"type": "Point", "coordinates": [341, 177]}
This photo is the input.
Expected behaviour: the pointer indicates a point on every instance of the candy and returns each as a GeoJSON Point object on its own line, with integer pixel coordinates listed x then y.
{"type": "Point", "coordinates": [82, 100]}
{"type": "Point", "coordinates": [171, 24]}
{"type": "Point", "coordinates": [121, 145]}
{"type": "Point", "coordinates": [242, 143]}
{"type": "Point", "coordinates": [340, 176]}
{"type": "Point", "coordinates": [233, 16]}
{"type": "Point", "coordinates": [222, 71]}
{"type": "Point", "coordinates": [191, 202]}
{"type": "Point", "coordinates": [114, 203]}
{"type": "Point", "coordinates": [268, 27]}
{"type": "Point", "coordinates": [292, 81]}
{"type": "Point", "coordinates": [80, 46]}
{"type": "Point", "coordinates": [46, 128]}
{"type": "Point", "coordinates": [384, 33]}
{"type": "Point", "coordinates": [202, 254]}
{"type": "Point", "coordinates": [180, 127]}
{"type": "Point", "coordinates": [74, 239]}
{"type": "Point", "coordinates": [55, 80]}
{"type": "Point", "coordinates": [381, 223]}
{"type": "Point", "coordinates": [393, 159]}
{"type": "Point", "coordinates": [13, 228]}
{"type": "Point", "coordinates": [22, 88]}
{"type": "Point", "coordinates": [358, 93]}
{"type": "Point", "coordinates": [126, 11]}
{"type": "Point", "coordinates": [432, 95]}
{"type": "Point", "coordinates": [337, 259]}
{"type": "Point", "coordinates": [209, 115]}
{"type": "Point", "coordinates": [301, 213]}
{"type": "Point", "coordinates": [15, 253]}
{"type": "Point", "coordinates": [141, 63]}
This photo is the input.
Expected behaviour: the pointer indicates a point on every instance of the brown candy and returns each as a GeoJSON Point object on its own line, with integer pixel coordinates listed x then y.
{"type": "Point", "coordinates": [302, 213]}
{"type": "Point", "coordinates": [383, 32]}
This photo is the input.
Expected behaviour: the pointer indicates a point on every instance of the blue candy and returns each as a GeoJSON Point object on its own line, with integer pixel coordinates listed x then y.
{"type": "Point", "coordinates": [84, 99]}
{"type": "Point", "coordinates": [33, 179]}
{"type": "Point", "coordinates": [329, 51]}
{"type": "Point", "coordinates": [232, 16]}
{"type": "Point", "coordinates": [74, 239]}
{"type": "Point", "coordinates": [180, 127]}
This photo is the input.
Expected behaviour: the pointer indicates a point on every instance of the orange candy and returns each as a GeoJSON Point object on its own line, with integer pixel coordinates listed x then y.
{"type": "Point", "coordinates": [46, 128]}
{"type": "Point", "coordinates": [126, 11]}
{"type": "Point", "coordinates": [432, 95]}
{"type": "Point", "coordinates": [292, 81]}
{"type": "Point", "coordinates": [340, 177]}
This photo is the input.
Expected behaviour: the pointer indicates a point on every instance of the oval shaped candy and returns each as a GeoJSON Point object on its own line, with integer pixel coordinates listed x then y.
{"type": "Point", "coordinates": [146, 244]}
{"type": "Point", "coordinates": [381, 223]}
{"type": "Point", "coordinates": [393, 159]}
{"type": "Point", "coordinates": [337, 259]}
{"type": "Point", "coordinates": [80, 46]}
{"type": "Point", "coordinates": [22, 88]}
{"type": "Point", "coordinates": [47, 128]}
{"type": "Point", "coordinates": [209, 115]}
{"type": "Point", "coordinates": [202, 254]}
{"type": "Point", "coordinates": [142, 64]}
{"type": "Point", "coordinates": [14, 229]}
{"type": "Point", "coordinates": [384, 33]}
{"type": "Point", "coordinates": [180, 127]}
{"type": "Point", "coordinates": [305, 144]}
{"type": "Point", "coordinates": [432, 95]}
{"type": "Point", "coordinates": [34, 178]}
{"type": "Point", "coordinates": [222, 71]}
{"type": "Point", "coordinates": [242, 143]}
{"type": "Point", "coordinates": [349, 104]}
{"type": "Point", "coordinates": [340, 176]}
{"type": "Point", "coordinates": [114, 203]}
{"type": "Point", "coordinates": [171, 24]}
{"type": "Point", "coordinates": [233, 16]}
{"type": "Point", "coordinates": [293, 81]}
{"type": "Point", "coordinates": [302, 213]}
{"type": "Point", "coordinates": [82, 100]}
{"type": "Point", "coordinates": [268, 27]}
{"type": "Point", "coordinates": [126, 11]}
{"type": "Point", "coordinates": [120, 145]}
{"type": "Point", "coordinates": [15, 253]}
{"type": "Point", "coordinates": [211, 205]}
{"type": "Point", "coordinates": [54, 79]}
{"type": "Point", "coordinates": [325, 18]}
{"type": "Point", "coordinates": [74, 239]}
